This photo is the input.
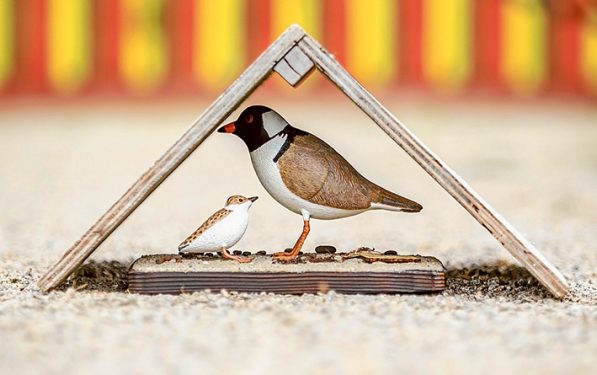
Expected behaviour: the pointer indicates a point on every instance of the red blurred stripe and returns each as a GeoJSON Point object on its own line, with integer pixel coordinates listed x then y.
{"type": "Point", "coordinates": [179, 26]}
{"type": "Point", "coordinates": [564, 53]}
{"type": "Point", "coordinates": [258, 27]}
{"type": "Point", "coordinates": [487, 43]}
{"type": "Point", "coordinates": [31, 30]}
{"type": "Point", "coordinates": [334, 28]}
{"type": "Point", "coordinates": [410, 38]}
{"type": "Point", "coordinates": [106, 37]}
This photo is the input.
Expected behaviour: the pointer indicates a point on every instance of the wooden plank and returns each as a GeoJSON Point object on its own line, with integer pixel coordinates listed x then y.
{"type": "Point", "coordinates": [299, 62]}
{"type": "Point", "coordinates": [286, 72]}
{"type": "Point", "coordinates": [341, 272]}
{"type": "Point", "coordinates": [509, 237]}
{"type": "Point", "coordinates": [294, 67]}
{"type": "Point", "coordinates": [221, 108]}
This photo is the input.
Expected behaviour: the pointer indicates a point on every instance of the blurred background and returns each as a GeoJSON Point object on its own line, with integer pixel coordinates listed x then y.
{"type": "Point", "coordinates": [93, 91]}
{"type": "Point", "coordinates": [152, 47]}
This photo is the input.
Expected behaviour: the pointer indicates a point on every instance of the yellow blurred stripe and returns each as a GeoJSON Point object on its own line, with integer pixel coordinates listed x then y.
{"type": "Point", "coordinates": [447, 27]}
{"type": "Point", "coordinates": [524, 64]}
{"type": "Point", "coordinates": [6, 39]}
{"type": "Point", "coordinates": [143, 52]}
{"type": "Point", "coordinates": [219, 40]}
{"type": "Point", "coordinates": [588, 55]}
{"type": "Point", "coordinates": [371, 30]}
{"type": "Point", "coordinates": [68, 44]}
{"type": "Point", "coordinates": [307, 13]}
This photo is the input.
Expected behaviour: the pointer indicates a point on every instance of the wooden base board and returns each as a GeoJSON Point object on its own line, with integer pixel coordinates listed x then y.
{"type": "Point", "coordinates": [311, 273]}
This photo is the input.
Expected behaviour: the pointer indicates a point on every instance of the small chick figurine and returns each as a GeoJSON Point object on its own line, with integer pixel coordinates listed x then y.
{"type": "Point", "coordinates": [222, 230]}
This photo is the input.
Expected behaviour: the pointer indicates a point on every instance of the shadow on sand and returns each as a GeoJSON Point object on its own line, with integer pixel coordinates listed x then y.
{"type": "Point", "coordinates": [476, 282]}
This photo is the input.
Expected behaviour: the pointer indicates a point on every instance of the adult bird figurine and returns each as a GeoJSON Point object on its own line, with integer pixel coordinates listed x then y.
{"type": "Point", "coordinates": [305, 174]}
{"type": "Point", "coordinates": [222, 230]}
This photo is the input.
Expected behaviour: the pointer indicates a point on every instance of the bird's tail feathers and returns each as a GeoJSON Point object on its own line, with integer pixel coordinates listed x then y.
{"type": "Point", "coordinates": [386, 200]}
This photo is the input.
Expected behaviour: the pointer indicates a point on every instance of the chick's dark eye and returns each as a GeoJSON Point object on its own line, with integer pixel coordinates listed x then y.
{"type": "Point", "coordinates": [249, 119]}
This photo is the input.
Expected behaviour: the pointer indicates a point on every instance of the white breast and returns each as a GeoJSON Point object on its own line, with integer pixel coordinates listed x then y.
{"type": "Point", "coordinates": [269, 176]}
{"type": "Point", "coordinates": [227, 232]}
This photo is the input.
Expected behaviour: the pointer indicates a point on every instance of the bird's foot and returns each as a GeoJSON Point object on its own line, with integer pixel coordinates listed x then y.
{"type": "Point", "coordinates": [238, 258]}
{"type": "Point", "coordinates": [284, 256]}
{"type": "Point", "coordinates": [243, 259]}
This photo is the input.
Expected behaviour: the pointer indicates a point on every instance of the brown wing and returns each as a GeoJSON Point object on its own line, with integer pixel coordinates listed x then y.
{"type": "Point", "coordinates": [219, 215]}
{"type": "Point", "coordinates": [317, 173]}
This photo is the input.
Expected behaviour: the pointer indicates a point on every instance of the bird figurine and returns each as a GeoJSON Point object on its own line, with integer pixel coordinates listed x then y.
{"type": "Point", "coordinates": [222, 230]}
{"type": "Point", "coordinates": [305, 174]}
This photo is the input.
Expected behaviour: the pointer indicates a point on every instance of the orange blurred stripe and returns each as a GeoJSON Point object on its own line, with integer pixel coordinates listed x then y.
{"type": "Point", "coordinates": [588, 55]}
{"type": "Point", "coordinates": [30, 69]}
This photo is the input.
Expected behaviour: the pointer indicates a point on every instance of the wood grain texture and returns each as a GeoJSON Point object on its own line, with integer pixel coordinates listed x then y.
{"type": "Point", "coordinates": [221, 108]}
{"type": "Point", "coordinates": [285, 71]}
{"type": "Point", "coordinates": [503, 231]}
{"type": "Point", "coordinates": [174, 274]}
{"type": "Point", "coordinates": [294, 67]}
{"type": "Point", "coordinates": [287, 283]}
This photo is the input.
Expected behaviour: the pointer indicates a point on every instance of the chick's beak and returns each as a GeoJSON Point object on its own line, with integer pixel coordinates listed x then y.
{"type": "Point", "coordinates": [228, 128]}
{"type": "Point", "coordinates": [253, 199]}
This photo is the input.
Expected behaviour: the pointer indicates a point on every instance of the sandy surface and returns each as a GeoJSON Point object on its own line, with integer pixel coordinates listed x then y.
{"type": "Point", "coordinates": [61, 167]}
{"type": "Point", "coordinates": [304, 263]}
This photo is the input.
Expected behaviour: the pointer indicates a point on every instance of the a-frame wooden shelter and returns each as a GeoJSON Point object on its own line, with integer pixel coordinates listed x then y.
{"type": "Point", "coordinates": [294, 55]}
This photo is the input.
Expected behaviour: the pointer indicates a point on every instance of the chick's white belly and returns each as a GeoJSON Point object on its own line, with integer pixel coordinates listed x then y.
{"type": "Point", "coordinates": [269, 175]}
{"type": "Point", "coordinates": [225, 233]}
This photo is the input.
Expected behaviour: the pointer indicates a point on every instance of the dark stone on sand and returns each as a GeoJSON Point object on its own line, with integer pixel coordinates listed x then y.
{"type": "Point", "coordinates": [391, 252]}
{"type": "Point", "coordinates": [246, 253]}
{"type": "Point", "coordinates": [325, 249]}
{"type": "Point", "coordinates": [237, 252]}
{"type": "Point", "coordinates": [288, 250]}
{"type": "Point", "coordinates": [261, 252]}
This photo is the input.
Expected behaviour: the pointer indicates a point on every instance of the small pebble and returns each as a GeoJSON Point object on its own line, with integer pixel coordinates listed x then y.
{"type": "Point", "coordinates": [300, 253]}
{"type": "Point", "coordinates": [261, 252]}
{"type": "Point", "coordinates": [325, 249]}
{"type": "Point", "coordinates": [391, 252]}
{"type": "Point", "coordinates": [208, 254]}
{"type": "Point", "coordinates": [288, 250]}
{"type": "Point", "coordinates": [237, 252]}
{"type": "Point", "coordinates": [246, 253]}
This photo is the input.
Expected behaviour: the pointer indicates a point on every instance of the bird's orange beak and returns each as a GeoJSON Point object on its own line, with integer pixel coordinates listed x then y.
{"type": "Point", "coordinates": [228, 128]}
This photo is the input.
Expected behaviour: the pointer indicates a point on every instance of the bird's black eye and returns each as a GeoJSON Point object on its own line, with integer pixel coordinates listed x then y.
{"type": "Point", "coordinates": [249, 119]}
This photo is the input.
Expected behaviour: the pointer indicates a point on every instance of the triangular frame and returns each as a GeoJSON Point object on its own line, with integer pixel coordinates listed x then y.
{"type": "Point", "coordinates": [293, 55]}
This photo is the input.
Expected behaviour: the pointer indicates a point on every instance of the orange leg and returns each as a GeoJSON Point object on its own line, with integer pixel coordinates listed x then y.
{"type": "Point", "coordinates": [297, 246]}
{"type": "Point", "coordinates": [239, 259]}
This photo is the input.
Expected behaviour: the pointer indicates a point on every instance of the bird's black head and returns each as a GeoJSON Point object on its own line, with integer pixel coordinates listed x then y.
{"type": "Point", "coordinates": [256, 125]}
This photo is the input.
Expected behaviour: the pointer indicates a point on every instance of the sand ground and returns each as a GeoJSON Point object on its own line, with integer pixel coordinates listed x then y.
{"type": "Point", "coordinates": [62, 166]}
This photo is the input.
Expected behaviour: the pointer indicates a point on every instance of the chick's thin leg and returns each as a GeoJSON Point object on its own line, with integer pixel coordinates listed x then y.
{"type": "Point", "coordinates": [239, 259]}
